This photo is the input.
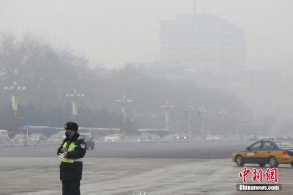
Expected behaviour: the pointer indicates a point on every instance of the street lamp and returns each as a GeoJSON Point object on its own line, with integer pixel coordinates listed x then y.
{"type": "Point", "coordinates": [238, 115]}
{"type": "Point", "coordinates": [75, 98]}
{"type": "Point", "coordinates": [201, 113]}
{"type": "Point", "coordinates": [14, 91]}
{"type": "Point", "coordinates": [222, 113]}
{"type": "Point", "coordinates": [123, 102]}
{"type": "Point", "coordinates": [167, 107]}
{"type": "Point", "coordinates": [188, 108]}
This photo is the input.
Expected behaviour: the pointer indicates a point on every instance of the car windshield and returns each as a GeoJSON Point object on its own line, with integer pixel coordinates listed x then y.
{"type": "Point", "coordinates": [55, 135]}
{"type": "Point", "coordinates": [112, 135]}
{"type": "Point", "coordinates": [284, 144]}
{"type": "Point", "coordinates": [19, 136]}
{"type": "Point", "coordinates": [182, 135]}
{"type": "Point", "coordinates": [35, 135]}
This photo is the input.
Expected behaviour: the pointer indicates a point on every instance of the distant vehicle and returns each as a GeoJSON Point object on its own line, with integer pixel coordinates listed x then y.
{"type": "Point", "coordinates": [98, 132]}
{"type": "Point", "coordinates": [265, 151]}
{"type": "Point", "coordinates": [213, 137]}
{"type": "Point", "coordinates": [147, 137]}
{"type": "Point", "coordinates": [159, 132]}
{"type": "Point", "coordinates": [19, 139]}
{"type": "Point", "coordinates": [88, 139]}
{"type": "Point", "coordinates": [113, 138]}
{"type": "Point", "coordinates": [181, 136]}
{"type": "Point", "coordinates": [45, 130]}
{"type": "Point", "coordinates": [143, 137]}
{"type": "Point", "coordinates": [37, 139]}
{"type": "Point", "coordinates": [4, 138]}
{"type": "Point", "coordinates": [57, 138]}
{"type": "Point", "coordinates": [155, 136]}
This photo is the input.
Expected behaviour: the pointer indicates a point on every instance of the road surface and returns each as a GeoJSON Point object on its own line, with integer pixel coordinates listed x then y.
{"type": "Point", "coordinates": [125, 169]}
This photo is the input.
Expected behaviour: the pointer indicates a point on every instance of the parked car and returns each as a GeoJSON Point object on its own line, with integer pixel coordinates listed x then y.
{"type": "Point", "coordinates": [4, 137]}
{"type": "Point", "coordinates": [37, 139]}
{"type": "Point", "coordinates": [88, 139]}
{"type": "Point", "coordinates": [113, 138]}
{"type": "Point", "coordinates": [56, 138]}
{"type": "Point", "coordinates": [19, 139]}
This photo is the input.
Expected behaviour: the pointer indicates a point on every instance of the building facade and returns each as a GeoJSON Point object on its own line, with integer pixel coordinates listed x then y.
{"type": "Point", "coordinates": [203, 42]}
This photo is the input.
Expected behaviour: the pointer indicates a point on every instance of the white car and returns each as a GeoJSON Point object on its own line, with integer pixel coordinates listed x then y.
{"type": "Point", "coordinates": [113, 138]}
{"type": "Point", "coordinates": [37, 139]}
{"type": "Point", "coordinates": [56, 138]}
{"type": "Point", "coordinates": [147, 137]}
{"type": "Point", "coordinates": [19, 139]}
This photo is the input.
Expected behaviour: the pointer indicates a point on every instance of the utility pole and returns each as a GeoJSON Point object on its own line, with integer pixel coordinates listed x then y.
{"type": "Point", "coordinates": [201, 113]}
{"type": "Point", "coordinates": [222, 113]}
{"type": "Point", "coordinates": [124, 103]}
{"type": "Point", "coordinates": [75, 98]}
{"type": "Point", "coordinates": [167, 107]}
{"type": "Point", "coordinates": [14, 91]}
{"type": "Point", "coordinates": [188, 108]}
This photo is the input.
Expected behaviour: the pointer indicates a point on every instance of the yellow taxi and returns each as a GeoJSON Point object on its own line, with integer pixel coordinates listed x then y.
{"type": "Point", "coordinates": [265, 151]}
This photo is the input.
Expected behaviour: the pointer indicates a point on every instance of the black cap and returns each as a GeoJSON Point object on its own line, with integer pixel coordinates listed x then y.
{"type": "Point", "coordinates": [71, 126]}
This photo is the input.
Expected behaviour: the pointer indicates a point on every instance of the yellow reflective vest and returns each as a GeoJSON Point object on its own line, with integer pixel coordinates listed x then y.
{"type": "Point", "coordinates": [70, 148]}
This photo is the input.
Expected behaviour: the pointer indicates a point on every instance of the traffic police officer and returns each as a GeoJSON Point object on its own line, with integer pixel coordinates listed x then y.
{"type": "Point", "coordinates": [70, 153]}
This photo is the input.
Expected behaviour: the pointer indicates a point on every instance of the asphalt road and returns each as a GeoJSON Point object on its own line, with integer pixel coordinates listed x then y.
{"type": "Point", "coordinates": [189, 168]}
{"type": "Point", "coordinates": [181, 150]}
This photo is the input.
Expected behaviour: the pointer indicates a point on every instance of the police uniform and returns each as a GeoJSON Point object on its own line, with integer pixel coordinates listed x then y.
{"type": "Point", "coordinates": [71, 164]}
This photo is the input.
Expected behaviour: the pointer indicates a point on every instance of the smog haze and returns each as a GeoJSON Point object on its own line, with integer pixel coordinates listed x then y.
{"type": "Point", "coordinates": [114, 32]}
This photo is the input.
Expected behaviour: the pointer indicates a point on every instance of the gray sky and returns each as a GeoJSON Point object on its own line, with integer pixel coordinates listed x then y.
{"type": "Point", "coordinates": [118, 31]}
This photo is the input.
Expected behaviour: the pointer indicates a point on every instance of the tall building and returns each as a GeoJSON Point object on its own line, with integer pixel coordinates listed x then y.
{"type": "Point", "coordinates": [204, 43]}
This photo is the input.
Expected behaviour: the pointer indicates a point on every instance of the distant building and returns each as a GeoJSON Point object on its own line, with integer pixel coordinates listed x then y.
{"type": "Point", "coordinates": [204, 42]}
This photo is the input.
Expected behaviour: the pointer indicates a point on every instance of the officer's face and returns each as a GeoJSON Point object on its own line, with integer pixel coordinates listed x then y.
{"type": "Point", "coordinates": [70, 132]}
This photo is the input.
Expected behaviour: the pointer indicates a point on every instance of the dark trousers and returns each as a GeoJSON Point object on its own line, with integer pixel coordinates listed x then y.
{"type": "Point", "coordinates": [70, 187]}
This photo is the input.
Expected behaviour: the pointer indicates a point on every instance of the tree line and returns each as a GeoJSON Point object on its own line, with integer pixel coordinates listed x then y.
{"type": "Point", "coordinates": [49, 73]}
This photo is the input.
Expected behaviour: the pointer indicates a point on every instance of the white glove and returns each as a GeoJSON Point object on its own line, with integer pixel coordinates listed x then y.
{"type": "Point", "coordinates": [61, 156]}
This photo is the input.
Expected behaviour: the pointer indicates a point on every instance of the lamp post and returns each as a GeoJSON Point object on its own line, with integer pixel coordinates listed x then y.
{"type": "Point", "coordinates": [14, 91]}
{"type": "Point", "coordinates": [238, 115]}
{"type": "Point", "coordinates": [75, 98]}
{"type": "Point", "coordinates": [123, 101]}
{"type": "Point", "coordinates": [188, 108]}
{"type": "Point", "coordinates": [222, 113]}
{"type": "Point", "coordinates": [201, 113]}
{"type": "Point", "coordinates": [167, 107]}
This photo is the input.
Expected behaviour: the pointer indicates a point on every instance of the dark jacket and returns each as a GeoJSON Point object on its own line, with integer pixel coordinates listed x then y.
{"type": "Point", "coordinates": [72, 171]}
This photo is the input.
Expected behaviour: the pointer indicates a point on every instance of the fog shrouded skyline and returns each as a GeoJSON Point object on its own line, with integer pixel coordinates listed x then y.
{"type": "Point", "coordinates": [114, 32]}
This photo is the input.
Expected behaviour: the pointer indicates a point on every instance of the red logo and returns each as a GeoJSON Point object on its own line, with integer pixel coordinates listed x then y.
{"type": "Point", "coordinates": [257, 175]}
{"type": "Point", "coordinates": [271, 175]}
{"type": "Point", "coordinates": [244, 174]}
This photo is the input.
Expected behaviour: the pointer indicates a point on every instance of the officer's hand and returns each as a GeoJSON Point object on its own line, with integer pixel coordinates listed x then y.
{"type": "Point", "coordinates": [61, 156]}
{"type": "Point", "coordinates": [64, 150]}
